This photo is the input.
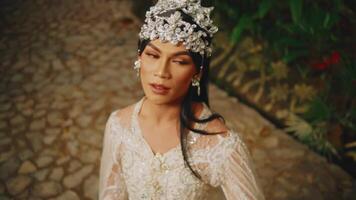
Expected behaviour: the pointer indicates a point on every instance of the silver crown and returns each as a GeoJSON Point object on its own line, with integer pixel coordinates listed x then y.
{"type": "Point", "coordinates": [173, 29]}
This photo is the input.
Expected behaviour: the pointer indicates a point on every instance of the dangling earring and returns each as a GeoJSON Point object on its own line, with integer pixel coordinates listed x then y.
{"type": "Point", "coordinates": [196, 81]}
{"type": "Point", "coordinates": [137, 67]}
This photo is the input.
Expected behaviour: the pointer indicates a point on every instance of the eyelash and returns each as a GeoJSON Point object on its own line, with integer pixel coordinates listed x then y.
{"type": "Point", "coordinates": [151, 55]}
{"type": "Point", "coordinates": [155, 56]}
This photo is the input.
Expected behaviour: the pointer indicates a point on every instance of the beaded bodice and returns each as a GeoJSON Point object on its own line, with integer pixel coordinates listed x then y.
{"type": "Point", "coordinates": [131, 170]}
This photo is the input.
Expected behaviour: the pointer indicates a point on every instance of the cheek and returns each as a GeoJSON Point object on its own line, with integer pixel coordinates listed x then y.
{"type": "Point", "coordinates": [182, 78]}
{"type": "Point", "coordinates": [146, 69]}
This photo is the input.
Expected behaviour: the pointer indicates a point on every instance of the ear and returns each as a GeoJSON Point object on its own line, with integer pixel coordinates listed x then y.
{"type": "Point", "coordinates": [198, 75]}
{"type": "Point", "coordinates": [139, 54]}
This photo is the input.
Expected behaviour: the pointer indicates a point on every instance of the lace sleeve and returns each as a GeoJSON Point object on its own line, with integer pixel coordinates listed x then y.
{"type": "Point", "coordinates": [239, 178]}
{"type": "Point", "coordinates": [111, 183]}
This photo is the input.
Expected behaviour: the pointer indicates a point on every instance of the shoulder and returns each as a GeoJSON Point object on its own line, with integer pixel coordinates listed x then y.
{"type": "Point", "coordinates": [123, 112]}
{"type": "Point", "coordinates": [123, 115]}
{"type": "Point", "coordinates": [215, 125]}
{"type": "Point", "coordinates": [218, 125]}
{"type": "Point", "coordinates": [219, 135]}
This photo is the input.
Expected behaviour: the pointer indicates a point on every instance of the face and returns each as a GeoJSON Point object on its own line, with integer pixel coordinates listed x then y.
{"type": "Point", "coordinates": [166, 71]}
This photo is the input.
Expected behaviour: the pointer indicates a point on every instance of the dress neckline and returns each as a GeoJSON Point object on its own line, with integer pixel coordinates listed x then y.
{"type": "Point", "coordinates": [138, 130]}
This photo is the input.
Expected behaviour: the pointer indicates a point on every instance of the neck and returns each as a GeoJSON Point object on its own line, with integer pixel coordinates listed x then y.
{"type": "Point", "coordinates": [160, 113]}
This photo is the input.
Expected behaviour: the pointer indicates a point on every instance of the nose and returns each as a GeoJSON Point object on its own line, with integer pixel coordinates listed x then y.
{"type": "Point", "coordinates": [163, 69]}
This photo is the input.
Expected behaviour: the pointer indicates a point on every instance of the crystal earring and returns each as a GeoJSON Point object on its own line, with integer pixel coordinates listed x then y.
{"type": "Point", "coordinates": [137, 67]}
{"type": "Point", "coordinates": [196, 81]}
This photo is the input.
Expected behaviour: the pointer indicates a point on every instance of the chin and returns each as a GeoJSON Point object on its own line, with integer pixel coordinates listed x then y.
{"type": "Point", "coordinates": [161, 99]}
{"type": "Point", "coordinates": [152, 95]}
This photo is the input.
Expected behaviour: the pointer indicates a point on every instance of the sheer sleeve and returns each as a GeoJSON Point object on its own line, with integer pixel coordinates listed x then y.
{"type": "Point", "coordinates": [239, 178]}
{"type": "Point", "coordinates": [111, 182]}
{"type": "Point", "coordinates": [224, 161]}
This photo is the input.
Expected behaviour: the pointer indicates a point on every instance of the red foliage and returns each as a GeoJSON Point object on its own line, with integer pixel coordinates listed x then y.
{"type": "Point", "coordinates": [320, 66]}
{"type": "Point", "coordinates": [334, 58]}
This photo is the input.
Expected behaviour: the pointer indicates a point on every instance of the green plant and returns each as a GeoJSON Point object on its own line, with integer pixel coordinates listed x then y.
{"type": "Point", "coordinates": [294, 29]}
{"type": "Point", "coordinates": [315, 40]}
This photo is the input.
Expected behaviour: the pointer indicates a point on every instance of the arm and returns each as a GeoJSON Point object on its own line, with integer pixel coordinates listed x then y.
{"type": "Point", "coordinates": [111, 184]}
{"type": "Point", "coordinates": [239, 180]}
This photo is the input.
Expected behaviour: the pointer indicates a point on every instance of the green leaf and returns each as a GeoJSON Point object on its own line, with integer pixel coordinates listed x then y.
{"type": "Point", "coordinates": [292, 55]}
{"type": "Point", "coordinates": [338, 4]}
{"type": "Point", "coordinates": [296, 10]}
{"type": "Point", "coordinates": [353, 113]}
{"type": "Point", "coordinates": [288, 41]}
{"type": "Point", "coordinates": [229, 11]}
{"type": "Point", "coordinates": [242, 24]}
{"type": "Point", "coordinates": [317, 19]}
{"type": "Point", "coordinates": [318, 110]}
{"type": "Point", "coordinates": [334, 18]}
{"type": "Point", "coordinates": [264, 7]}
{"type": "Point", "coordinates": [326, 20]}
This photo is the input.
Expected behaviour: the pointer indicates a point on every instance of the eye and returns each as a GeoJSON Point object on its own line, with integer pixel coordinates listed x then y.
{"type": "Point", "coordinates": [151, 55]}
{"type": "Point", "coordinates": [181, 62]}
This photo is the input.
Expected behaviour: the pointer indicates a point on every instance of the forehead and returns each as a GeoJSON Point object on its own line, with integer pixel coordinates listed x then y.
{"type": "Point", "coordinates": [168, 47]}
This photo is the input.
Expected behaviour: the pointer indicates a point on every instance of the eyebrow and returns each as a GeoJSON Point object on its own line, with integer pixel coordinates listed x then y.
{"type": "Point", "coordinates": [175, 54]}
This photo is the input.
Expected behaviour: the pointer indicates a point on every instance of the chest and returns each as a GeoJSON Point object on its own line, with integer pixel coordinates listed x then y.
{"type": "Point", "coordinates": [159, 178]}
{"type": "Point", "coordinates": [160, 139]}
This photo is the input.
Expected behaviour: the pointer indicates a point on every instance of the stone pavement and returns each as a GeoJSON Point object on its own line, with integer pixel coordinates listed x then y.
{"type": "Point", "coordinates": [65, 65]}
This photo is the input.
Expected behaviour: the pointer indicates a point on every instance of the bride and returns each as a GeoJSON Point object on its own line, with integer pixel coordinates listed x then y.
{"type": "Point", "coordinates": [170, 145]}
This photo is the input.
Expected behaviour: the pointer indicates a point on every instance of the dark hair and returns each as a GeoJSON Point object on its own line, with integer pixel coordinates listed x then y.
{"type": "Point", "coordinates": [186, 114]}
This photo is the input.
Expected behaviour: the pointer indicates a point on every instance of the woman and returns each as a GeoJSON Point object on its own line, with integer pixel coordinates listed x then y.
{"type": "Point", "coordinates": [170, 145]}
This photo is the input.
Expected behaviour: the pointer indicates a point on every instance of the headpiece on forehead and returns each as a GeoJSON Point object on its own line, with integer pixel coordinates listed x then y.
{"type": "Point", "coordinates": [164, 21]}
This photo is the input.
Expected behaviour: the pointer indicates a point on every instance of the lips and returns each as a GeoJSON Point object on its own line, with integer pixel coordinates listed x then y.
{"type": "Point", "coordinates": [159, 86]}
{"type": "Point", "coordinates": [159, 89]}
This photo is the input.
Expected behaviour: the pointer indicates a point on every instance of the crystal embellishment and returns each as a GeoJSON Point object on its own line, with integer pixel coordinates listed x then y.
{"type": "Point", "coordinates": [172, 27]}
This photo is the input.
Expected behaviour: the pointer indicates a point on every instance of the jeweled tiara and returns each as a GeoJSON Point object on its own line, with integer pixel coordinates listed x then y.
{"type": "Point", "coordinates": [164, 21]}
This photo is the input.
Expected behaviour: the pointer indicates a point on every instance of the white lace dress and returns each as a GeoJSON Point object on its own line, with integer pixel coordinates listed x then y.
{"type": "Point", "coordinates": [130, 170]}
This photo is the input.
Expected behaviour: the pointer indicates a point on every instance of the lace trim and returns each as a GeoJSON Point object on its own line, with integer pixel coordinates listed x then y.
{"type": "Point", "coordinates": [136, 129]}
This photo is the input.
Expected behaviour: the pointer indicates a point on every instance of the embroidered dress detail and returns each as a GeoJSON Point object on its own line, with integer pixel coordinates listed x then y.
{"type": "Point", "coordinates": [130, 170]}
